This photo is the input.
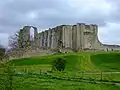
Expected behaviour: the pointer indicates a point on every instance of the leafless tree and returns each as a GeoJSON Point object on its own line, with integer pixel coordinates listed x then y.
{"type": "Point", "coordinates": [17, 45]}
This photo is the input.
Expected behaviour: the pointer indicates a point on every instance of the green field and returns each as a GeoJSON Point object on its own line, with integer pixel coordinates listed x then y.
{"type": "Point", "coordinates": [74, 76]}
{"type": "Point", "coordinates": [75, 61]}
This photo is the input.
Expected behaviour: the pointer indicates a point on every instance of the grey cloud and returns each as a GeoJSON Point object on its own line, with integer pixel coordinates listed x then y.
{"type": "Point", "coordinates": [4, 39]}
{"type": "Point", "coordinates": [31, 5]}
{"type": "Point", "coordinates": [49, 13]}
{"type": "Point", "coordinates": [15, 13]}
{"type": "Point", "coordinates": [110, 34]}
{"type": "Point", "coordinates": [115, 13]}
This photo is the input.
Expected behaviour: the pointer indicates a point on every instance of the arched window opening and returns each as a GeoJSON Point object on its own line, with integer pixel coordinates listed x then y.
{"type": "Point", "coordinates": [31, 34]}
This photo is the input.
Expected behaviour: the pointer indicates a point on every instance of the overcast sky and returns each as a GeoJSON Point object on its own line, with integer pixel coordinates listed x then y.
{"type": "Point", "coordinates": [14, 14]}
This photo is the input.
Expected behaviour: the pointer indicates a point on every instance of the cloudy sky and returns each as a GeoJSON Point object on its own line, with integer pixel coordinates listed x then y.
{"type": "Point", "coordinates": [14, 14]}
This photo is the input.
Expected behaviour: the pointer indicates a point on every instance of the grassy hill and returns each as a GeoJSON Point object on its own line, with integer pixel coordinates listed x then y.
{"type": "Point", "coordinates": [76, 63]}
{"type": "Point", "coordinates": [110, 61]}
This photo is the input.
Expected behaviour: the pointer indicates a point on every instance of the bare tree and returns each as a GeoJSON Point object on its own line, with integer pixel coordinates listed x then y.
{"type": "Point", "coordinates": [13, 41]}
{"type": "Point", "coordinates": [17, 45]}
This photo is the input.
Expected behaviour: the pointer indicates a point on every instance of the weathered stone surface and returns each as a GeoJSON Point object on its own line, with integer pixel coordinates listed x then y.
{"type": "Point", "coordinates": [48, 38]}
{"type": "Point", "coordinates": [79, 37]}
{"type": "Point", "coordinates": [67, 36]}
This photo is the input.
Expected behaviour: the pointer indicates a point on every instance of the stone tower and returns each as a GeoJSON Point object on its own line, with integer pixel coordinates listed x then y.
{"type": "Point", "coordinates": [85, 36]}
{"type": "Point", "coordinates": [25, 37]}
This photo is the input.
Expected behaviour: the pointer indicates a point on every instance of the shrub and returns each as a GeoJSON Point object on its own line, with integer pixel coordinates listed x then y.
{"type": "Point", "coordinates": [59, 64]}
{"type": "Point", "coordinates": [8, 76]}
{"type": "Point", "coordinates": [2, 52]}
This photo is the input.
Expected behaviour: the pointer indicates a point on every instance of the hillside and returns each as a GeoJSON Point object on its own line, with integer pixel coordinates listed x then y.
{"type": "Point", "coordinates": [76, 61]}
{"type": "Point", "coordinates": [82, 72]}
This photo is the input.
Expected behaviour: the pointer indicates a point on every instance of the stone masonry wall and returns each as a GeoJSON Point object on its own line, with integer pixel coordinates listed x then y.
{"type": "Point", "coordinates": [80, 37]}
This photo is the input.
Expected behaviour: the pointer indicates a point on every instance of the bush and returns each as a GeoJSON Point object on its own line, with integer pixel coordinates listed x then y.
{"type": "Point", "coordinates": [2, 52]}
{"type": "Point", "coordinates": [8, 77]}
{"type": "Point", "coordinates": [59, 64]}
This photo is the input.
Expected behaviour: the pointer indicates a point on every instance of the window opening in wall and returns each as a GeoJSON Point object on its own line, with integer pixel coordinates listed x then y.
{"type": "Point", "coordinates": [31, 34]}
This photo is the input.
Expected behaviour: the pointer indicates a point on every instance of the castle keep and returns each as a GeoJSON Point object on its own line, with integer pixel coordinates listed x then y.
{"type": "Point", "coordinates": [72, 37]}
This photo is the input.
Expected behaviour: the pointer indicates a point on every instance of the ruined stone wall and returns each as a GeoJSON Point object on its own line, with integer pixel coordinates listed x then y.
{"type": "Point", "coordinates": [44, 40]}
{"type": "Point", "coordinates": [54, 45]}
{"type": "Point", "coordinates": [74, 37]}
{"type": "Point", "coordinates": [40, 40]}
{"type": "Point", "coordinates": [25, 37]}
{"type": "Point", "coordinates": [67, 36]}
{"type": "Point", "coordinates": [56, 36]}
{"type": "Point", "coordinates": [26, 33]}
{"type": "Point", "coordinates": [87, 37]}
{"type": "Point", "coordinates": [111, 47]}
{"type": "Point", "coordinates": [96, 44]}
{"type": "Point", "coordinates": [79, 37]}
{"type": "Point", "coordinates": [48, 39]}
{"type": "Point", "coordinates": [84, 36]}
{"type": "Point", "coordinates": [36, 38]}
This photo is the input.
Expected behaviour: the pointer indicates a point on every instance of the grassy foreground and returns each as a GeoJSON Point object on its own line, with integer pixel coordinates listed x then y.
{"type": "Point", "coordinates": [76, 63]}
{"type": "Point", "coordinates": [88, 61]}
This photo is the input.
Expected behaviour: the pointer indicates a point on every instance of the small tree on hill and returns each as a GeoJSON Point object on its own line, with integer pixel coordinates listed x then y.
{"type": "Point", "coordinates": [59, 64]}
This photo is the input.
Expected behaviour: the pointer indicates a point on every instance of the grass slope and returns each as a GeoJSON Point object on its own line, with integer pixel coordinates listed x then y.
{"type": "Point", "coordinates": [36, 83]}
{"type": "Point", "coordinates": [107, 62]}
{"type": "Point", "coordinates": [75, 62]}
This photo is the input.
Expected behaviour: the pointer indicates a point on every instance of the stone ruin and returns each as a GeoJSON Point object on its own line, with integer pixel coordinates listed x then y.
{"type": "Point", "coordinates": [79, 37]}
